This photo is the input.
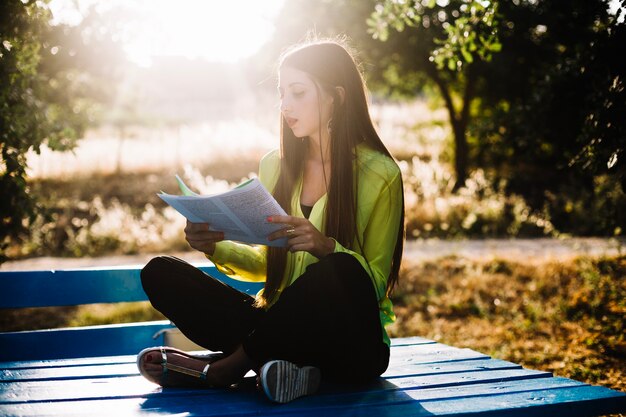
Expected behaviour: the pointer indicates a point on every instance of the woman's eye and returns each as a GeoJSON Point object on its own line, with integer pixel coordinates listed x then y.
{"type": "Point", "coordinates": [298, 94]}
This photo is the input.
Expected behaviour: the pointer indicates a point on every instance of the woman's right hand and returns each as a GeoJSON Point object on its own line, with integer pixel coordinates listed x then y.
{"type": "Point", "coordinates": [201, 238]}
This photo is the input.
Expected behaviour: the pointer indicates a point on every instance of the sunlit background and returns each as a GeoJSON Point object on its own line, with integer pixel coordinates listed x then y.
{"type": "Point", "coordinates": [216, 31]}
{"type": "Point", "coordinates": [158, 88]}
{"type": "Point", "coordinates": [184, 85]}
{"type": "Point", "coordinates": [189, 88]}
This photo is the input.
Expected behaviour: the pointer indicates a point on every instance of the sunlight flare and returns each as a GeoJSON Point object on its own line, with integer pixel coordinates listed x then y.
{"type": "Point", "coordinates": [213, 30]}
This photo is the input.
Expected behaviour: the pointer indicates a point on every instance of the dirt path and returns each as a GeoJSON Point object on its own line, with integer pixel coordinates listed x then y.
{"type": "Point", "coordinates": [527, 250]}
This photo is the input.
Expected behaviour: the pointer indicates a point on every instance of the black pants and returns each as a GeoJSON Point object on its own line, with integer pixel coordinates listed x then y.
{"type": "Point", "coordinates": [327, 318]}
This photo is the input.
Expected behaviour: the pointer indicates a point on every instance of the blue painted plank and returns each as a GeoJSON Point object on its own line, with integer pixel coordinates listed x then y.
{"type": "Point", "coordinates": [122, 387]}
{"type": "Point", "coordinates": [407, 341]}
{"type": "Point", "coordinates": [117, 339]}
{"type": "Point", "coordinates": [246, 401]}
{"type": "Point", "coordinates": [86, 286]}
{"type": "Point", "coordinates": [478, 365]}
{"type": "Point", "coordinates": [71, 362]}
{"type": "Point", "coordinates": [51, 373]}
{"type": "Point", "coordinates": [574, 402]}
{"type": "Point", "coordinates": [70, 287]}
{"type": "Point", "coordinates": [431, 352]}
{"type": "Point", "coordinates": [122, 339]}
{"type": "Point", "coordinates": [446, 401]}
{"type": "Point", "coordinates": [438, 356]}
{"type": "Point", "coordinates": [72, 372]}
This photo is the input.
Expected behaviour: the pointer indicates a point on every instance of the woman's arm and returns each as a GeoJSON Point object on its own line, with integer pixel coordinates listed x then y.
{"type": "Point", "coordinates": [240, 261]}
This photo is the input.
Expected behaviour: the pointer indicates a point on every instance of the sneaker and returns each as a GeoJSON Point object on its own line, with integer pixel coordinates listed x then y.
{"type": "Point", "coordinates": [284, 381]}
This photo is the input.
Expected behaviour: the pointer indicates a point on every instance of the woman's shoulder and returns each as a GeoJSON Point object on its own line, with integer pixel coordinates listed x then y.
{"type": "Point", "coordinates": [270, 161]}
{"type": "Point", "coordinates": [374, 163]}
{"type": "Point", "coordinates": [271, 157]}
{"type": "Point", "coordinates": [269, 168]}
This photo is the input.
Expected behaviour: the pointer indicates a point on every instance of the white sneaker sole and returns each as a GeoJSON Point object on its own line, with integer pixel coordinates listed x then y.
{"type": "Point", "coordinates": [284, 381]}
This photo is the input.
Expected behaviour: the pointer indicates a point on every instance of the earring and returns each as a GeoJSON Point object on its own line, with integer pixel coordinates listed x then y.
{"type": "Point", "coordinates": [329, 126]}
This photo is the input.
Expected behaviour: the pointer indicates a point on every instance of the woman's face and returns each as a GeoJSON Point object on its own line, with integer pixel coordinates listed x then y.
{"type": "Point", "coordinates": [300, 104]}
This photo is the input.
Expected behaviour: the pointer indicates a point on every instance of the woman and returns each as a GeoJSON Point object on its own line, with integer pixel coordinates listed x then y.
{"type": "Point", "coordinates": [325, 300]}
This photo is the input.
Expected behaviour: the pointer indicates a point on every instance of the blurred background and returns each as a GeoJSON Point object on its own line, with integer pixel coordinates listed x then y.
{"type": "Point", "coordinates": [506, 117]}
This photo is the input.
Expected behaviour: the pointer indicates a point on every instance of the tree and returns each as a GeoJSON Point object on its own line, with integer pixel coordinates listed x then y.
{"type": "Point", "coordinates": [447, 41]}
{"type": "Point", "coordinates": [551, 119]}
{"type": "Point", "coordinates": [49, 81]}
{"type": "Point", "coordinates": [602, 141]}
{"type": "Point", "coordinates": [546, 111]}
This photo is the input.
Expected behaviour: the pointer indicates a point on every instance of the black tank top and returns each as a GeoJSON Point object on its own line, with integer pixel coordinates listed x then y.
{"type": "Point", "coordinates": [306, 210]}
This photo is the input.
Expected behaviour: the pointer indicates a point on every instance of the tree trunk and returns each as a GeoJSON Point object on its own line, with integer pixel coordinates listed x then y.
{"type": "Point", "coordinates": [458, 121]}
{"type": "Point", "coordinates": [459, 130]}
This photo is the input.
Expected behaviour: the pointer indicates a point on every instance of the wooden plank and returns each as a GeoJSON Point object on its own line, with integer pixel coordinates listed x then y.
{"type": "Point", "coordinates": [119, 339]}
{"type": "Point", "coordinates": [432, 353]}
{"type": "Point", "coordinates": [408, 341]}
{"type": "Point", "coordinates": [439, 354]}
{"type": "Point", "coordinates": [122, 387]}
{"type": "Point", "coordinates": [122, 339]}
{"type": "Point", "coordinates": [72, 372]}
{"type": "Point", "coordinates": [71, 362]}
{"type": "Point", "coordinates": [575, 402]}
{"type": "Point", "coordinates": [397, 352]}
{"type": "Point", "coordinates": [397, 355]}
{"type": "Point", "coordinates": [69, 287]}
{"type": "Point", "coordinates": [130, 369]}
{"type": "Point", "coordinates": [419, 402]}
{"type": "Point", "coordinates": [398, 370]}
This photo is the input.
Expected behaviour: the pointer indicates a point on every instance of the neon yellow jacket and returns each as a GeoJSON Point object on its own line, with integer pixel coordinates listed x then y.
{"type": "Point", "coordinates": [379, 207]}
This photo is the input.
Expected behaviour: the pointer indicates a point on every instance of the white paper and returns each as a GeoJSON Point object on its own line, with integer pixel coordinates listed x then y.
{"type": "Point", "coordinates": [241, 213]}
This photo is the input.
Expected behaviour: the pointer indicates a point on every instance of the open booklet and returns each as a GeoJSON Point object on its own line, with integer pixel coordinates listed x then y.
{"type": "Point", "coordinates": [241, 213]}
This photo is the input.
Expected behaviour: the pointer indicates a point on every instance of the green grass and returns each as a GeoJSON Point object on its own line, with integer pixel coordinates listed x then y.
{"type": "Point", "coordinates": [564, 317]}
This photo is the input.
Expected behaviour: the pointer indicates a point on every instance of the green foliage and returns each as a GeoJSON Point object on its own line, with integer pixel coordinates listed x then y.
{"type": "Point", "coordinates": [469, 28]}
{"type": "Point", "coordinates": [551, 115]}
{"type": "Point", "coordinates": [535, 93]}
{"type": "Point", "coordinates": [23, 110]}
{"type": "Point", "coordinates": [449, 41]}
{"type": "Point", "coordinates": [48, 84]}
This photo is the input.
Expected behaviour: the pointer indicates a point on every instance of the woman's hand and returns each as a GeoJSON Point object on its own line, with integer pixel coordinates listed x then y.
{"type": "Point", "coordinates": [302, 236]}
{"type": "Point", "coordinates": [200, 238]}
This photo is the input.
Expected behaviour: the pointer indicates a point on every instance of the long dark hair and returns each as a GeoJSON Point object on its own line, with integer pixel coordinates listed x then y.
{"type": "Point", "coordinates": [329, 65]}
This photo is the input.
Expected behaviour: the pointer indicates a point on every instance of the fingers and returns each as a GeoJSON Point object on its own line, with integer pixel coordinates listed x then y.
{"type": "Point", "coordinates": [196, 227]}
{"type": "Point", "coordinates": [295, 226]}
{"type": "Point", "coordinates": [205, 235]}
{"type": "Point", "coordinates": [290, 220]}
{"type": "Point", "coordinates": [200, 231]}
{"type": "Point", "coordinates": [201, 238]}
{"type": "Point", "coordinates": [287, 232]}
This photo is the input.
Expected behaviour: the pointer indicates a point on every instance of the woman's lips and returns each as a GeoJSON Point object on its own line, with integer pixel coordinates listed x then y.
{"type": "Point", "coordinates": [291, 121]}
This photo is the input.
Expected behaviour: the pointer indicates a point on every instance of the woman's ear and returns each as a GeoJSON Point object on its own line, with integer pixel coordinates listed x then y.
{"type": "Point", "coordinates": [340, 92]}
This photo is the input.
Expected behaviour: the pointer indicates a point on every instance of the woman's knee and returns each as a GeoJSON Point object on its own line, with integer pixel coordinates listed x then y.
{"type": "Point", "coordinates": [152, 272]}
{"type": "Point", "coordinates": [340, 268]}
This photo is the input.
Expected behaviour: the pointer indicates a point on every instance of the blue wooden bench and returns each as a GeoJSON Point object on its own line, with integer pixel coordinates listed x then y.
{"type": "Point", "coordinates": [91, 370]}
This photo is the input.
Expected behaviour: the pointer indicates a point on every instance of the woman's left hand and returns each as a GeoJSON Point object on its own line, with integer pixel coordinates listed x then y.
{"type": "Point", "coordinates": [302, 236]}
